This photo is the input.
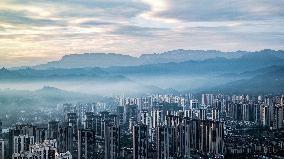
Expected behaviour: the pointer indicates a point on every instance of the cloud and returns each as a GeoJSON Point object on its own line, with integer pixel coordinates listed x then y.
{"type": "Point", "coordinates": [223, 10]}
{"type": "Point", "coordinates": [47, 30]}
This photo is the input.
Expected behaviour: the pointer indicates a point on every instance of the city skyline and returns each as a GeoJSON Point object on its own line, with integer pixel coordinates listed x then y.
{"type": "Point", "coordinates": [153, 126]}
{"type": "Point", "coordinates": [141, 79]}
{"type": "Point", "coordinates": [39, 32]}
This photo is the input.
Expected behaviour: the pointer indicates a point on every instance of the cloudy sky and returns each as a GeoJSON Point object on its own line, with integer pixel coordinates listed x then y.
{"type": "Point", "coordinates": [33, 32]}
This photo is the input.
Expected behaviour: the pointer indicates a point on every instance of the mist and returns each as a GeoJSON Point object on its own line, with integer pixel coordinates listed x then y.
{"type": "Point", "coordinates": [137, 85]}
{"type": "Point", "coordinates": [183, 82]}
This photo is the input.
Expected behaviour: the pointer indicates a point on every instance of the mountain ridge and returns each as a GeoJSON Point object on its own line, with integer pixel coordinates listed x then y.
{"type": "Point", "coordinates": [112, 59]}
{"type": "Point", "coordinates": [215, 65]}
{"type": "Point", "coordinates": [222, 65]}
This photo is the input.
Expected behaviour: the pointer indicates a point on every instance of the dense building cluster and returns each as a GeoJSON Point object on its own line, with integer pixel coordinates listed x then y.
{"type": "Point", "coordinates": [156, 126]}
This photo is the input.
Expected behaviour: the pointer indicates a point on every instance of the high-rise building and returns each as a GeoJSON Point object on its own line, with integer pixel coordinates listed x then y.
{"type": "Point", "coordinates": [12, 133]}
{"type": "Point", "coordinates": [130, 111]}
{"type": "Point", "coordinates": [2, 143]}
{"type": "Point", "coordinates": [173, 120]}
{"type": "Point", "coordinates": [207, 136]}
{"type": "Point", "coordinates": [99, 125]}
{"type": "Point", "coordinates": [217, 104]}
{"type": "Point", "coordinates": [173, 139]}
{"type": "Point", "coordinates": [52, 130]}
{"type": "Point", "coordinates": [253, 112]}
{"type": "Point", "coordinates": [277, 116]}
{"type": "Point", "coordinates": [44, 150]}
{"type": "Point", "coordinates": [0, 128]}
{"type": "Point", "coordinates": [112, 142]}
{"type": "Point", "coordinates": [2, 149]}
{"type": "Point", "coordinates": [193, 104]}
{"type": "Point", "coordinates": [71, 120]}
{"type": "Point", "coordinates": [68, 108]}
{"type": "Point", "coordinates": [112, 119]}
{"type": "Point", "coordinates": [145, 117]}
{"type": "Point", "coordinates": [140, 141]}
{"type": "Point", "coordinates": [26, 129]}
{"type": "Point", "coordinates": [185, 138]}
{"type": "Point", "coordinates": [120, 113]}
{"type": "Point", "coordinates": [40, 135]}
{"type": "Point", "coordinates": [264, 115]}
{"type": "Point", "coordinates": [207, 99]}
{"type": "Point", "coordinates": [165, 142]}
{"type": "Point", "coordinates": [245, 112]}
{"type": "Point", "coordinates": [202, 114]}
{"type": "Point", "coordinates": [66, 140]}
{"type": "Point", "coordinates": [86, 144]}
{"type": "Point", "coordinates": [22, 144]}
{"type": "Point", "coordinates": [81, 110]}
{"type": "Point", "coordinates": [157, 117]}
{"type": "Point", "coordinates": [215, 114]}
{"type": "Point", "coordinates": [90, 121]}
{"type": "Point", "coordinates": [100, 121]}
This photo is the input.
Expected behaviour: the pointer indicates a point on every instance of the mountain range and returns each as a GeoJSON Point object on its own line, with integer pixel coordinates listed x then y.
{"type": "Point", "coordinates": [247, 62]}
{"type": "Point", "coordinates": [177, 56]}
{"type": "Point", "coordinates": [173, 71]}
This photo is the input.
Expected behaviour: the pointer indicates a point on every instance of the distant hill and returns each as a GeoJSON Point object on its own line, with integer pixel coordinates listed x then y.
{"type": "Point", "coordinates": [16, 100]}
{"type": "Point", "coordinates": [90, 60]}
{"type": "Point", "coordinates": [28, 74]}
{"type": "Point", "coordinates": [261, 71]}
{"type": "Point", "coordinates": [86, 80]}
{"type": "Point", "coordinates": [271, 80]}
{"type": "Point", "coordinates": [247, 62]}
{"type": "Point", "coordinates": [112, 59]}
{"type": "Point", "coordinates": [218, 65]}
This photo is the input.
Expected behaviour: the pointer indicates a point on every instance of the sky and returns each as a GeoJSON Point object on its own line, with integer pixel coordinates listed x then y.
{"type": "Point", "coordinates": [34, 32]}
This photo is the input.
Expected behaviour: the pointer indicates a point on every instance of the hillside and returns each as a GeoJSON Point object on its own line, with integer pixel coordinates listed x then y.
{"type": "Point", "coordinates": [270, 81]}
